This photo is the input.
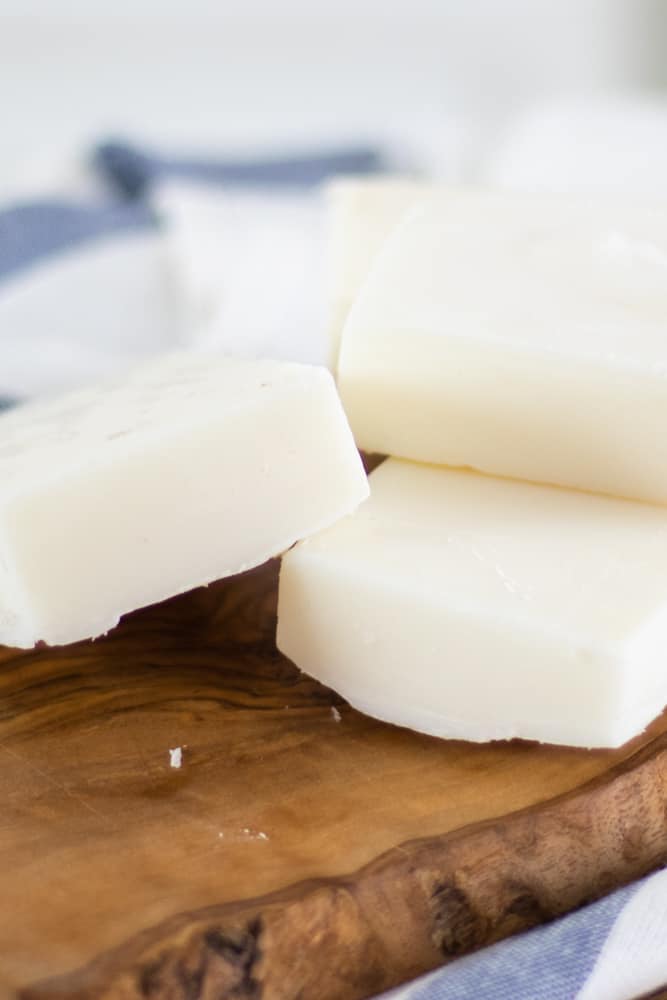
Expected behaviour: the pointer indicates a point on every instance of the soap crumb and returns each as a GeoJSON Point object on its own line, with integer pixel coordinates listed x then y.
{"type": "Point", "coordinates": [175, 757]}
{"type": "Point", "coordinates": [335, 714]}
{"type": "Point", "coordinates": [254, 834]}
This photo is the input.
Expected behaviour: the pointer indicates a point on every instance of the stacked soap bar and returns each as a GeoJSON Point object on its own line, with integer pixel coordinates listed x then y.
{"type": "Point", "coordinates": [478, 608]}
{"type": "Point", "coordinates": [520, 335]}
{"type": "Point", "coordinates": [191, 469]}
{"type": "Point", "coordinates": [362, 213]}
{"type": "Point", "coordinates": [525, 337]}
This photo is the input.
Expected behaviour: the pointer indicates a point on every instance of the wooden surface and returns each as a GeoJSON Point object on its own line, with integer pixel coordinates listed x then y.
{"type": "Point", "coordinates": [292, 855]}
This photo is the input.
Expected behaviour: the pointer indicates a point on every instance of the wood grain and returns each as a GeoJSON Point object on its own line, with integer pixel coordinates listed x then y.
{"type": "Point", "coordinates": [292, 855]}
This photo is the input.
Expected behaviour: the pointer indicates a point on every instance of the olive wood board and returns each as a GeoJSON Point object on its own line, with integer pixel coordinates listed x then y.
{"type": "Point", "coordinates": [302, 850]}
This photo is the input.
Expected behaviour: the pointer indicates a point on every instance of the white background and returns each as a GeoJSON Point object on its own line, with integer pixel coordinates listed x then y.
{"type": "Point", "coordinates": [236, 73]}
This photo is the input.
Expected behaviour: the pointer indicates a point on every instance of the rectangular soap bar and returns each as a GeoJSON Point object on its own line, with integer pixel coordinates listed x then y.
{"type": "Point", "coordinates": [521, 335]}
{"type": "Point", "coordinates": [362, 212]}
{"type": "Point", "coordinates": [193, 468]}
{"type": "Point", "coordinates": [477, 608]}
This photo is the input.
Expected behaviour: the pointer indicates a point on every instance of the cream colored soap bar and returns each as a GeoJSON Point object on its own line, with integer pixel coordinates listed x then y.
{"type": "Point", "coordinates": [521, 335]}
{"type": "Point", "coordinates": [479, 608]}
{"type": "Point", "coordinates": [362, 213]}
{"type": "Point", "coordinates": [191, 469]}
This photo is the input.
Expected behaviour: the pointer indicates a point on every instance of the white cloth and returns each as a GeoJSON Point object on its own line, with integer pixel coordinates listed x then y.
{"type": "Point", "coordinates": [85, 313]}
{"type": "Point", "coordinates": [609, 144]}
{"type": "Point", "coordinates": [248, 268]}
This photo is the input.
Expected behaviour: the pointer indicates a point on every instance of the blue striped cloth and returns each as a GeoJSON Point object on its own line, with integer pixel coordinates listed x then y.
{"type": "Point", "coordinates": [31, 231]}
{"type": "Point", "coordinates": [132, 171]}
{"type": "Point", "coordinates": [88, 286]}
{"type": "Point", "coordinates": [613, 949]}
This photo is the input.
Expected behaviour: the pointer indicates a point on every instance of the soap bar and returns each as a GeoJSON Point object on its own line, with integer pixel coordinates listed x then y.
{"type": "Point", "coordinates": [521, 335]}
{"type": "Point", "coordinates": [192, 468]}
{"type": "Point", "coordinates": [477, 608]}
{"type": "Point", "coordinates": [362, 212]}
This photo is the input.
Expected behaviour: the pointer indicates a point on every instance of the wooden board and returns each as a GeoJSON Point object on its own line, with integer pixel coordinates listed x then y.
{"type": "Point", "coordinates": [292, 855]}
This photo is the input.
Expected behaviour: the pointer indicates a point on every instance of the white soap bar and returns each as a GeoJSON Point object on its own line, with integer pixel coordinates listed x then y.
{"type": "Point", "coordinates": [191, 469]}
{"type": "Point", "coordinates": [362, 212]}
{"type": "Point", "coordinates": [521, 335]}
{"type": "Point", "coordinates": [479, 608]}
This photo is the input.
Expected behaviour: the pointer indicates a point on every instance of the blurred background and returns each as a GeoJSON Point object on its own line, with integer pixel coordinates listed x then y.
{"type": "Point", "coordinates": [438, 80]}
{"type": "Point", "coordinates": [181, 232]}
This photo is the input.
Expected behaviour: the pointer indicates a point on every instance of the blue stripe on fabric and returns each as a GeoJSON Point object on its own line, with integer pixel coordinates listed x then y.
{"type": "Point", "coordinates": [551, 962]}
{"type": "Point", "coordinates": [132, 170]}
{"type": "Point", "coordinates": [32, 231]}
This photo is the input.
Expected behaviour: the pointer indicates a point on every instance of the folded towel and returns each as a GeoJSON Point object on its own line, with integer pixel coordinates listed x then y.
{"type": "Point", "coordinates": [84, 291]}
{"type": "Point", "coordinates": [246, 242]}
{"type": "Point", "coordinates": [206, 253]}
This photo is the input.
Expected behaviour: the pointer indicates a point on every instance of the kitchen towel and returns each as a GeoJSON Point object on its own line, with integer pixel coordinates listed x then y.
{"type": "Point", "coordinates": [170, 253]}
{"type": "Point", "coordinates": [613, 949]}
{"type": "Point", "coordinates": [83, 292]}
